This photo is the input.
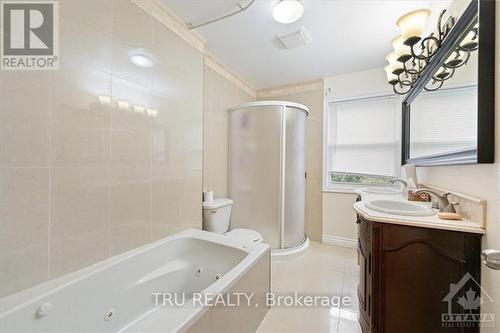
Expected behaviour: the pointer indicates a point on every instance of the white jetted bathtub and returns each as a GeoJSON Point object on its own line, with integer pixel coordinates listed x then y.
{"type": "Point", "coordinates": [118, 295]}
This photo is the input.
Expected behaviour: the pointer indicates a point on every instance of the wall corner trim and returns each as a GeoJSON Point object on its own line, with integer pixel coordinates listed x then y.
{"type": "Point", "coordinates": [162, 14]}
{"type": "Point", "coordinates": [339, 241]}
{"type": "Point", "coordinates": [212, 62]}
{"type": "Point", "coordinates": [290, 89]}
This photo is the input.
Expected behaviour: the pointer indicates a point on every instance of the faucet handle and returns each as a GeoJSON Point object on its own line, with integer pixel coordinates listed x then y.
{"type": "Point", "coordinates": [451, 207]}
{"type": "Point", "coordinates": [435, 205]}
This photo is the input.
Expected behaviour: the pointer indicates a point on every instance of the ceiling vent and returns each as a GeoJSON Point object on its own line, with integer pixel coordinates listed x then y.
{"type": "Point", "coordinates": [295, 38]}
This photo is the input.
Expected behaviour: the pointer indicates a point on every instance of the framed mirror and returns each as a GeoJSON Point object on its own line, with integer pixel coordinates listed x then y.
{"type": "Point", "coordinates": [449, 113]}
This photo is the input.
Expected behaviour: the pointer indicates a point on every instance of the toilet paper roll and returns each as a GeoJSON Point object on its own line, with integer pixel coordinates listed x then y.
{"type": "Point", "coordinates": [208, 195]}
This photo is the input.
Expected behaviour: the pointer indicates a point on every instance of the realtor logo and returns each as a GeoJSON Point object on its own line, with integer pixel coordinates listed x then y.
{"type": "Point", "coordinates": [469, 295]}
{"type": "Point", "coordinates": [30, 39]}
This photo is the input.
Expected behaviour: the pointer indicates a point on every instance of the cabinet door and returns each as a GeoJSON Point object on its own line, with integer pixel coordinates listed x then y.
{"type": "Point", "coordinates": [417, 267]}
{"type": "Point", "coordinates": [364, 287]}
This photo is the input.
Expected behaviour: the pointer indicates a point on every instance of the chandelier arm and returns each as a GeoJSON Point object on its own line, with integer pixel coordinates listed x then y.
{"type": "Point", "coordinates": [409, 70]}
{"type": "Point", "coordinates": [446, 78]}
{"type": "Point", "coordinates": [468, 50]}
{"type": "Point", "coordinates": [467, 57]}
{"type": "Point", "coordinates": [402, 92]}
{"type": "Point", "coordinates": [434, 89]}
{"type": "Point", "coordinates": [424, 41]}
{"type": "Point", "coordinates": [440, 27]}
{"type": "Point", "coordinates": [405, 82]}
{"type": "Point", "coordinates": [414, 71]}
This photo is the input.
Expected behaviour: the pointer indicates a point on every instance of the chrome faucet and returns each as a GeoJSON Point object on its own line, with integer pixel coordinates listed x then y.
{"type": "Point", "coordinates": [443, 203]}
{"type": "Point", "coordinates": [397, 180]}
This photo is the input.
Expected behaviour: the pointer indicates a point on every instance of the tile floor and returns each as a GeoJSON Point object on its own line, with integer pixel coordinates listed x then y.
{"type": "Point", "coordinates": [322, 270]}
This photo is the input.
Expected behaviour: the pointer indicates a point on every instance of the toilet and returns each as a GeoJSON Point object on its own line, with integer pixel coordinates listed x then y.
{"type": "Point", "coordinates": [216, 217]}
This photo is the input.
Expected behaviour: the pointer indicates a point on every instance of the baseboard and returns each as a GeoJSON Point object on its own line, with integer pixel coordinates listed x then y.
{"type": "Point", "coordinates": [339, 241]}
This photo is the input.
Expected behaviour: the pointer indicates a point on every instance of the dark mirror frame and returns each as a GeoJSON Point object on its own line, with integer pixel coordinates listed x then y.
{"type": "Point", "coordinates": [484, 11]}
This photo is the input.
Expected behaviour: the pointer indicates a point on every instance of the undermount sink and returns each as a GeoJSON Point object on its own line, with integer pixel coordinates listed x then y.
{"type": "Point", "coordinates": [399, 207]}
{"type": "Point", "coordinates": [380, 190]}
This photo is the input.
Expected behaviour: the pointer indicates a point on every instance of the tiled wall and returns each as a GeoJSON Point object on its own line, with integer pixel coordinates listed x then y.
{"type": "Point", "coordinates": [220, 95]}
{"type": "Point", "coordinates": [83, 178]}
{"type": "Point", "coordinates": [313, 99]}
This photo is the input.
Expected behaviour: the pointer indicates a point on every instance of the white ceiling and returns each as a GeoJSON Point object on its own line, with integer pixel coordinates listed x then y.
{"type": "Point", "coordinates": [347, 36]}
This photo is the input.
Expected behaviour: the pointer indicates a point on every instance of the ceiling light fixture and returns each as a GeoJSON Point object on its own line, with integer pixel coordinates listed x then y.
{"type": "Point", "coordinates": [142, 60]}
{"type": "Point", "coordinates": [288, 11]}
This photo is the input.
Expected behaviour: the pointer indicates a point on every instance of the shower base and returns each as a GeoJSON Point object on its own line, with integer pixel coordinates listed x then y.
{"type": "Point", "coordinates": [291, 252]}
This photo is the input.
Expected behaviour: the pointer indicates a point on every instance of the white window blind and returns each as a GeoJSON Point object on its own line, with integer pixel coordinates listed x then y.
{"type": "Point", "coordinates": [362, 136]}
{"type": "Point", "coordinates": [443, 121]}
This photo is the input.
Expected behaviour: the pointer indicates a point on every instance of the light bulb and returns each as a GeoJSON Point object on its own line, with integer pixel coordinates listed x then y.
{"type": "Point", "coordinates": [470, 41]}
{"type": "Point", "coordinates": [390, 76]}
{"type": "Point", "coordinates": [413, 23]}
{"type": "Point", "coordinates": [394, 64]}
{"type": "Point", "coordinates": [123, 105]}
{"type": "Point", "coordinates": [403, 52]}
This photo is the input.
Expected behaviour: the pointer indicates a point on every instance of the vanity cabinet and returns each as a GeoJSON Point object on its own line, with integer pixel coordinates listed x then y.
{"type": "Point", "coordinates": [405, 276]}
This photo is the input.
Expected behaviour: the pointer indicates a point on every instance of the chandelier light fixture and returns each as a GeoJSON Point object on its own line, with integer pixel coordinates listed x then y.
{"type": "Point", "coordinates": [412, 53]}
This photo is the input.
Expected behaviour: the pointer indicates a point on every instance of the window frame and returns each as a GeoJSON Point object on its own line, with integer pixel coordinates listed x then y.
{"type": "Point", "coordinates": [351, 187]}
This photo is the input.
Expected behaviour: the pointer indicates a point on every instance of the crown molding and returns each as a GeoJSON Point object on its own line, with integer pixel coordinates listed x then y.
{"type": "Point", "coordinates": [290, 89]}
{"type": "Point", "coordinates": [164, 15]}
{"type": "Point", "coordinates": [213, 63]}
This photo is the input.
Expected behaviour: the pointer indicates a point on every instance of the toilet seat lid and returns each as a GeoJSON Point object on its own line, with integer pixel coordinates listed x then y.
{"type": "Point", "coordinates": [245, 235]}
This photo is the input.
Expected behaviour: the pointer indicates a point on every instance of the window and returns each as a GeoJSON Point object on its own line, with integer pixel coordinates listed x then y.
{"type": "Point", "coordinates": [361, 143]}
{"type": "Point", "coordinates": [443, 121]}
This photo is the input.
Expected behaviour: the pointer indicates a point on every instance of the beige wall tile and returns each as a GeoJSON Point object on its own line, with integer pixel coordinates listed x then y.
{"type": "Point", "coordinates": [215, 179]}
{"type": "Point", "coordinates": [130, 208]}
{"type": "Point", "coordinates": [166, 185]}
{"type": "Point", "coordinates": [66, 131]}
{"type": "Point", "coordinates": [79, 218]}
{"type": "Point", "coordinates": [132, 33]}
{"type": "Point", "coordinates": [131, 148]}
{"type": "Point", "coordinates": [85, 32]}
{"type": "Point", "coordinates": [24, 118]}
{"type": "Point", "coordinates": [191, 200]}
{"type": "Point", "coordinates": [130, 102]}
{"type": "Point", "coordinates": [80, 133]}
{"type": "Point", "coordinates": [24, 225]}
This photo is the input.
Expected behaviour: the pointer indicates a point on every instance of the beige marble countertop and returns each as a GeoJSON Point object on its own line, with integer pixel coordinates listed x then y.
{"type": "Point", "coordinates": [433, 221]}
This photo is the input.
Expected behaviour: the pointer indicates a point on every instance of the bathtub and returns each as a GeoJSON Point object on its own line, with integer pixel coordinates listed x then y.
{"type": "Point", "coordinates": [121, 293]}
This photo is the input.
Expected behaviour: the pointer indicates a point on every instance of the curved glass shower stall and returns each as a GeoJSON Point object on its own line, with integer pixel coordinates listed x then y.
{"type": "Point", "coordinates": [267, 171]}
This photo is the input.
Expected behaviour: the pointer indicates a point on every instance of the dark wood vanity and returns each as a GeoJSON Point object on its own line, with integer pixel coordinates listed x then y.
{"type": "Point", "coordinates": [405, 277]}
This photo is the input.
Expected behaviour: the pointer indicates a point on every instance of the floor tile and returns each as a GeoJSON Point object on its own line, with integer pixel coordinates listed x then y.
{"type": "Point", "coordinates": [323, 270]}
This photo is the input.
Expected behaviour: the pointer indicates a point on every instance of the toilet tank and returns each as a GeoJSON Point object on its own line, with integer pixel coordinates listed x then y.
{"type": "Point", "coordinates": [216, 215]}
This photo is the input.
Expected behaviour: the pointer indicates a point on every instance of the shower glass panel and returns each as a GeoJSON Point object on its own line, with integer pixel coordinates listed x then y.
{"type": "Point", "coordinates": [255, 141]}
{"type": "Point", "coordinates": [295, 177]}
{"type": "Point", "coordinates": [267, 170]}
